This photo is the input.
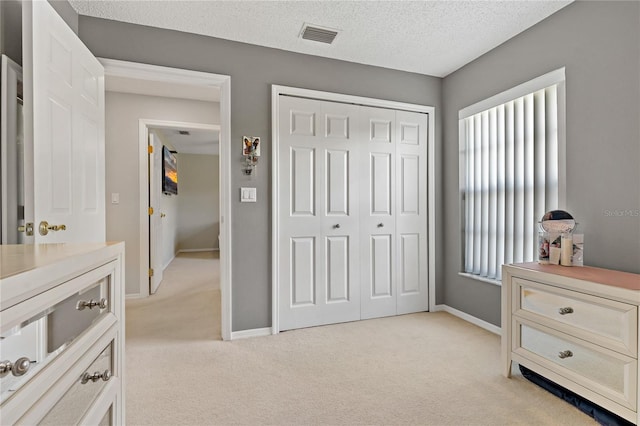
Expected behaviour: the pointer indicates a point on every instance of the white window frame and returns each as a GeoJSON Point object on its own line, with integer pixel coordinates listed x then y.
{"type": "Point", "coordinates": [556, 77]}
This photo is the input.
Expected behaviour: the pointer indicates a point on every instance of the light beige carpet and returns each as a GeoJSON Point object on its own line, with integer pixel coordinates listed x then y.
{"type": "Point", "coordinates": [420, 369]}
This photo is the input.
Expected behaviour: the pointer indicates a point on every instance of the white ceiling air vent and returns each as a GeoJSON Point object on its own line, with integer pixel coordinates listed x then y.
{"type": "Point", "coordinates": [319, 34]}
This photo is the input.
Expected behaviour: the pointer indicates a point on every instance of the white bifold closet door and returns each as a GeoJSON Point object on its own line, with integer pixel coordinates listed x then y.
{"type": "Point", "coordinates": [393, 212]}
{"type": "Point", "coordinates": [353, 212]}
{"type": "Point", "coordinates": [318, 213]}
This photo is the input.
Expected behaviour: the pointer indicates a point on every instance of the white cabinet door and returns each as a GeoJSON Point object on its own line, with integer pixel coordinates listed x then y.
{"type": "Point", "coordinates": [377, 212]}
{"type": "Point", "coordinates": [64, 130]}
{"type": "Point", "coordinates": [318, 213]}
{"type": "Point", "coordinates": [155, 219]}
{"type": "Point", "coordinates": [412, 294]}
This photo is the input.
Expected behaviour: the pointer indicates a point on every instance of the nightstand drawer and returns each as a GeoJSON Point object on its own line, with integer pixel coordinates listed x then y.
{"type": "Point", "coordinates": [607, 373]}
{"type": "Point", "coordinates": [605, 322]}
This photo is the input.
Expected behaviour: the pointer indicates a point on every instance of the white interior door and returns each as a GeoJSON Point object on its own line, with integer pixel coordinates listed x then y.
{"type": "Point", "coordinates": [377, 212]}
{"type": "Point", "coordinates": [11, 154]}
{"type": "Point", "coordinates": [318, 213]}
{"type": "Point", "coordinates": [412, 278]}
{"type": "Point", "coordinates": [64, 130]}
{"type": "Point", "coordinates": [155, 216]}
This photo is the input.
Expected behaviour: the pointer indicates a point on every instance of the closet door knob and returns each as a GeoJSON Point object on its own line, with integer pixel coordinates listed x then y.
{"type": "Point", "coordinates": [336, 226]}
{"type": "Point", "coordinates": [381, 225]}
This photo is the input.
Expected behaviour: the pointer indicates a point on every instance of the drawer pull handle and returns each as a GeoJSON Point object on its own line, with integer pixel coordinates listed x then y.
{"type": "Point", "coordinates": [18, 368]}
{"type": "Point", "coordinates": [565, 354]}
{"type": "Point", "coordinates": [105, 376]}
{"type": "Point", "coordinates": [102, 303]}
{"type": "Point", "coordinates": [565, 311]}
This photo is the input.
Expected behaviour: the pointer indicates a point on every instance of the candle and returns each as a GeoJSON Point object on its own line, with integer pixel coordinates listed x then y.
{"type": "Point", "coordinates": [567, 250]}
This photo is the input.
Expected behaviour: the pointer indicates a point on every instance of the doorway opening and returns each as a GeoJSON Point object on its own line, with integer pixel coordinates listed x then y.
{"type": "Point", "coordinates": [178, 84]}
{"type": "Point", "coordinates": [184, 191]}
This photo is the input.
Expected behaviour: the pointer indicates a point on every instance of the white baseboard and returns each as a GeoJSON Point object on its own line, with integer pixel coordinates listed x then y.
{"type": "Point", "coordinates": [255, 332]}
{"type": "Point", "coordinates": [197, 250]}
{"type": "Point", "coordinates": [469, 318]}
{"type": "Point", "coordinates": [134, 296]}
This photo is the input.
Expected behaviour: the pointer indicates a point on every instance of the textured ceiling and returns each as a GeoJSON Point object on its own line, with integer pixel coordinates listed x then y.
{"type": "Point", "coordinates": [427, 37]}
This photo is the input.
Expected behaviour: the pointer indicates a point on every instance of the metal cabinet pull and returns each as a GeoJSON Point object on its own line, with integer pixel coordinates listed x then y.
{"type": "Point", "coordinates": [102, 303]}
{"type": "Point", "coordinates": [565, 354]}
{"type": "Point", "coordinates": [18, 368]}
{"type": "Point", "coordinates": [336, 226]}
{"type": "Point", "coordinates": [381, 225]}
{"type": "Point", "coordinates": [86, 377]}
{"type": "Point", "coordinates": [565, 311]}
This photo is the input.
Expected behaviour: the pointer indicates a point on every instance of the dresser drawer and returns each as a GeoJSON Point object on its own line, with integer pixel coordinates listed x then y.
{"type": "Point", "coordinates": [605, 372]}
{"type": "Point", "coordinates": [55, 319]}
{"type": "Point", "coordinates": [70, 409]}
{"type": "Point", "coordinates": [605, 322]}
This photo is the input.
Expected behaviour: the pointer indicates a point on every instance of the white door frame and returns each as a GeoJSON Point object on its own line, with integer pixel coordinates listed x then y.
{"type": "Point", "coordinates": [118, 68]}
{"type": "Point", "coordinates": [143, 140]}
{"type": "Point", "coordinates": [276, 91]}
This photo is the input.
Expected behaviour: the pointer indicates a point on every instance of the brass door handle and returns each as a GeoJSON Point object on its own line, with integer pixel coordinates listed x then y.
{"type": "Point", "coordinates": [44, 227]}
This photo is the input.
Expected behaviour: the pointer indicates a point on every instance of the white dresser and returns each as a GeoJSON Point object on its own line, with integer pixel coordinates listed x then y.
{"type": "Point", "coordinates": [62, 334]}
{"type": "Point", "coordinates": [576, 326]}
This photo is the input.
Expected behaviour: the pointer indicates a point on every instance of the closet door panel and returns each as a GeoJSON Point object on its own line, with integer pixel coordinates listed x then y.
{"type": "Point", "coordinates": [411, 213]}
{"type": "Point", "coordinates": [318, 225]}
{"type": "Point", "coordinates": [378, 138]}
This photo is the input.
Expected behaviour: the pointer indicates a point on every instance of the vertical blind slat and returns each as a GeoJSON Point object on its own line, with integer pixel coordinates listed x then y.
{"type": "Point", "coordinates": [551, 153]}
{"type": "Point", "coordinates": [484, 251]}
{"type": "Point", "coordinates": [539, 147]}
{"type": "Point", "coordinates": [500, 177]}
{"type": "Point", "coordinates": [492, 192]}
{"type": "Point", "coordinates": [529, 184]}
{"type": "Point", "coordinates": [477, 214]}
{"type": "Point", "coordinates": [469, 200]}
{"type": "Point", "coordinates": [518, 185]}
{"type": "Point", "coordinates": [509, 182]}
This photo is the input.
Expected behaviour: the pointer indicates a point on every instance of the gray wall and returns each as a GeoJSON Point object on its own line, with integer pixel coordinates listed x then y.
{"type": "Point", "coordinates": [67, 13]}
{"type": "Point", "coordinates": [253, 69]}
{"type": "Point", "coordinates": [599, 44]}
{"type": "Point", "coordinates": [122, 114]}
{"type": "Point", "coordinates": [198, 201]}
{"type": "Point", "coordinates": [11, 29]}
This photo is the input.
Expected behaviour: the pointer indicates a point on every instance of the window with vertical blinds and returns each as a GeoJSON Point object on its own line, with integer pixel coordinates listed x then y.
{"type": "Point", "coordinates": [510, 157]}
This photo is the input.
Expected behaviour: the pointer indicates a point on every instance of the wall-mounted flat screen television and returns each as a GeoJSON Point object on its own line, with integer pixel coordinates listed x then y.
{"type": "Point", "coordinates": [169, 172]}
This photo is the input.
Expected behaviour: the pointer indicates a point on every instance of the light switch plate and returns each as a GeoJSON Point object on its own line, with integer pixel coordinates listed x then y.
{"type": "Point", "coordinates": [247, 195]}
{"type": "Point", "coordinates": [115, 198]}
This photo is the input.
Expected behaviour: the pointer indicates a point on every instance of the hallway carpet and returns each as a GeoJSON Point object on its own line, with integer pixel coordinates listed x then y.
{"type": "Point", "coordinates": [419, 369]}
